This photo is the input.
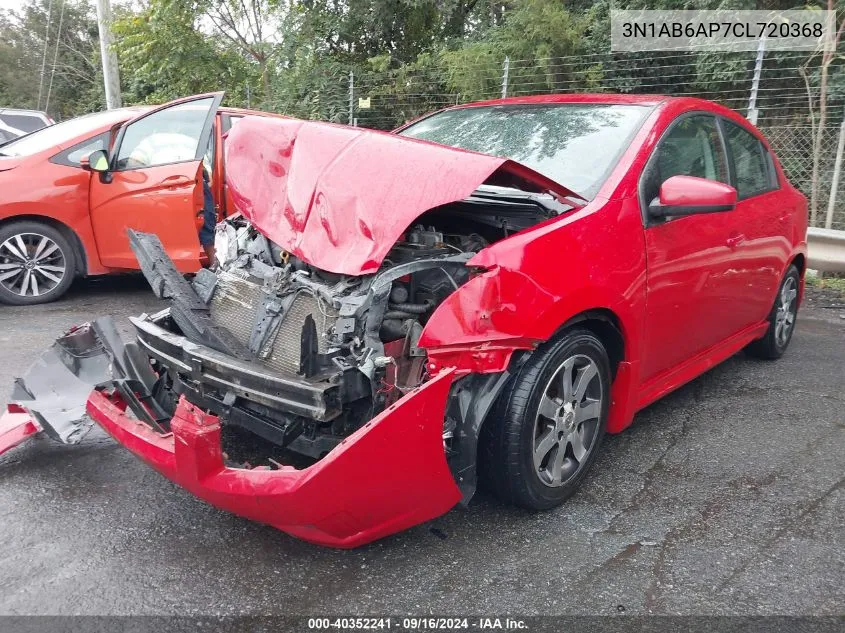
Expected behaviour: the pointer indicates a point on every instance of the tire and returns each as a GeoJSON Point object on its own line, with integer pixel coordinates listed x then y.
{"type": "Point", "coordinates": [48, 277]}
{"type": "Point", "coordinates": [781, 319]}
{"type": "Point", "coordinates": [520, 444]}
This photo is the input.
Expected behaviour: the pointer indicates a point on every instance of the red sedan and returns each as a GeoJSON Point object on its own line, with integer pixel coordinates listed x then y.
{"type": "Point", "coordinates": [485, 293]}
{"type": "Point", "coordinates": [57, 222]}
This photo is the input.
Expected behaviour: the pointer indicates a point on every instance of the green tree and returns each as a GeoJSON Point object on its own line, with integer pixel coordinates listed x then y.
{"type": "Point", "coordinates": [72, 80]}
{"type": "Point", "coordinates": [539, 37]}
{"type": "Point", "coordinates": [164, 55]}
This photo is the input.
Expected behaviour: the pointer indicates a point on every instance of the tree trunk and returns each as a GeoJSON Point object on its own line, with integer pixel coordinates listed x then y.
{"type": "Point", "coordinates": [817, 142]}
{"type": "Point", "coordinates": [827, 58]}
{"type": "Point", "coordinates": [265, 81]}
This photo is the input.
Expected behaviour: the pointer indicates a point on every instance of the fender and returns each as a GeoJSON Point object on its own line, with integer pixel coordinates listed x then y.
{"type": "Point", "coordinates": [62, 202]}
{"type": "Point", "coordinates": [88, 259]}
{"type": "Point", "coordinates": [460, 331]}
{"type": "Point", "coordinates": [529, 288]}
{"type": "Point", "coordinates": [509, 309]}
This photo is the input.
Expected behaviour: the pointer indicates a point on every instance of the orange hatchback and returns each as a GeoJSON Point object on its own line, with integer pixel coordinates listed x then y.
{"type": "Point", "coordinates": [61, 217]}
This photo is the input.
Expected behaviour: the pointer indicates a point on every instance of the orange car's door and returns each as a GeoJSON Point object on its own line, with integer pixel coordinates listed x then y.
{"type": "Point", "coordinates": [154, 183]}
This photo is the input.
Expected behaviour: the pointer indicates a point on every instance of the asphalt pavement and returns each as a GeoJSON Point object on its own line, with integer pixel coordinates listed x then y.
{"type": "Point", "coordinates": [726, 497]}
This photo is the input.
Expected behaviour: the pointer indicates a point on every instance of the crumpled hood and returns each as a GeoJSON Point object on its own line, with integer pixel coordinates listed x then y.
{"type": "Point", "coordinates": [340, 197]}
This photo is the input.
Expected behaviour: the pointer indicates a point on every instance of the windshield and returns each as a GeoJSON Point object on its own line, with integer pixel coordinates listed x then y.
{"type": "Point", "coordinates": [575, 144]}
{"type": "Point", "coordinates": [57, 134]}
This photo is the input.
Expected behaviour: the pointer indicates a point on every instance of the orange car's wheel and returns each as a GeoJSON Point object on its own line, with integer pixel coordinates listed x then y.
{"type": "Point", "coordinates": [37, 263]}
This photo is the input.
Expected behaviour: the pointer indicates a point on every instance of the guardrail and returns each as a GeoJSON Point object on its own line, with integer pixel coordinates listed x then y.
{"type": "Point", "coordinates": [826, 250]}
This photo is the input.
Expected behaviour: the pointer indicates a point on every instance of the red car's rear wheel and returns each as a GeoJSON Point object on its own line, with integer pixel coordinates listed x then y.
{"type": "Point", "coordinates": [781, 319]}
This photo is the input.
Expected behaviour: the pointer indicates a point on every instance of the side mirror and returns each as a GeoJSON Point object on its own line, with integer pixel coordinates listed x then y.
{"type": "Point", "coordinates": [688, 195]}
{"type": "Point", "coordinates": [95, 161]}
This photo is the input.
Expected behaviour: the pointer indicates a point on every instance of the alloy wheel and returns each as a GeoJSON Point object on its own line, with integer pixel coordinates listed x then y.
{"type": "Point", "coordinates": [568, 420]}
{"type": "Point", "coordinates": [786, 311]}
{"type": "Point", "coordinates": [31, 264]}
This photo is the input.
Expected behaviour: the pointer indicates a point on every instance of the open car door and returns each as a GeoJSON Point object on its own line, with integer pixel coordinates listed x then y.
{"type": "Point", "coordinates": [154, 182]}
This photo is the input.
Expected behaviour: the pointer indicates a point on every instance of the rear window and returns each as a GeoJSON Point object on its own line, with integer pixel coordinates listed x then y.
{"type": "Point", "coordinates": [25, 122]}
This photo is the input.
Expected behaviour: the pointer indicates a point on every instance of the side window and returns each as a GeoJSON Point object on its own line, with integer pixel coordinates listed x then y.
{"type": "Point", "coordinates": [751, 162]}
{"type": "Point", "coordinates": [168, 136]}
{"type": "Point", "coordinates": [773, 173]}
{"type": "Point", "coordinates": [73, 155]}
{"type": "Point", "coordinates": [691, 148]}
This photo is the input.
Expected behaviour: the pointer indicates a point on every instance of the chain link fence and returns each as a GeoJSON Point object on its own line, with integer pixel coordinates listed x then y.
{"type": "Point", "coordinates": [793, 145]}
{"type": "Point", "coordinates": [786, 96]}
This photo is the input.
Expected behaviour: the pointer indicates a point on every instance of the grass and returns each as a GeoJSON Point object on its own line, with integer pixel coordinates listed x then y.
{"type": "Point", "coordinates": [837, 284]}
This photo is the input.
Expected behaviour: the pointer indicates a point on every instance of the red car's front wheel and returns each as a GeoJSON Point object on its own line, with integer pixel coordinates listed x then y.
{"type": "Point", "coordinates": [549, 422]}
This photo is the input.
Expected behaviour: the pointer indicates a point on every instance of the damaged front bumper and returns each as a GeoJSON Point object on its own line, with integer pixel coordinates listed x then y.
{"type": "Point", "coordinates": [345, 455]}
{"type": "Point", "coordinates": [387, 476]}
{"type": "Point", "coordinates": [366, 488]}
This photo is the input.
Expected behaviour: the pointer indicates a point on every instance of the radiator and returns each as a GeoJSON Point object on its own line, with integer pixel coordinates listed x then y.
{"type": "Point", "coordinates": [286, 348]}
{"type": "Point", "coordinates": [234, 305]}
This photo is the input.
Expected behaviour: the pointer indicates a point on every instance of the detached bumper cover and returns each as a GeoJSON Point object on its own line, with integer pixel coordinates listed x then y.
{"type": "Point", "coordinates": [388, 476]}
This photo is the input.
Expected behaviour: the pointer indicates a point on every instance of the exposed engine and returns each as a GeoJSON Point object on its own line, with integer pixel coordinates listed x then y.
{"type": "Point", "coordinates": [318, 354]}
{"type": "Point", "coordinates": [352, 339]}
{"type": "Point", "coordinates": [302, 320]}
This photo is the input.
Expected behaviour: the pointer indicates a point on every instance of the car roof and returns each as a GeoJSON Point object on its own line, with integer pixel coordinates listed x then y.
{"type": "Point", "coordinates": [24, 111]}
{"type": "Point", "coordinates": [605, 97]}
{"type": "Point", "coordinates": [678, 104]}
{"type": "Point", "coordinates": [246, 112]}
{"type": "Point", "coordinates": [89, 123]}
{"type": "Point", "coordinates": [580, 97]}
{"type": "Point", "coordinates": [105, 119]}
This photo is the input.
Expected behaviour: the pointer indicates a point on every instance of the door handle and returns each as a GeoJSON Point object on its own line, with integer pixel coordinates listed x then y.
{"type": "Point", "coordinates": [735, 240]}
{"type": "Point", "coordinates": [177, 181]}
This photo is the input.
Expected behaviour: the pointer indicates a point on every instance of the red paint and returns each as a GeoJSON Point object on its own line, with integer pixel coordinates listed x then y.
{"type": "Point", "coordinates": [98, 213]}
{"type": "Point", "coordinates": [15, 427]}
{"type": "Point", "coordinates": [339, 197]}
{"type": "Point", "coordinates": [684, 295]}
{"type": "Point", "coordinates": [691, 191]}
{"type": "Point", "coordinates": [358, 493]}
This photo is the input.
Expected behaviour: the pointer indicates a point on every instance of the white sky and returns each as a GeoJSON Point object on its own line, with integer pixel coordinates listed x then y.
{"type": "Point", "coordinates": [11, 4]}
{"type": "Point", "coordinates": [205, 24]}
{"type": "Point", "coordinates": [17, 4]}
